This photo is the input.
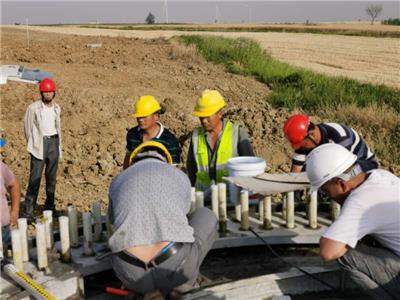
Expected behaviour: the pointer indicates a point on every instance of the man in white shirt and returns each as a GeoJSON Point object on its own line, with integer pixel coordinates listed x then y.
{"type": "Point", "coordinates": [43, 133]}
{"type": "Point", "coordinates": [370, 206]}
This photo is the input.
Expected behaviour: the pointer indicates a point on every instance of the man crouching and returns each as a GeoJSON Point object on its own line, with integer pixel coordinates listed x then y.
{"type": "Point", "coordinates": [156, 246]}
{"type": "Point", "coordinates": [370, 206]}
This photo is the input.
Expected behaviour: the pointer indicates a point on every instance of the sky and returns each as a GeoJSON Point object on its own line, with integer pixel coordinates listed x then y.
{"type": "Point", "coordinates": [189, 11]}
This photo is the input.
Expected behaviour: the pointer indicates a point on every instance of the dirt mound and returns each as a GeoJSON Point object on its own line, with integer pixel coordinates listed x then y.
{"type": "Point", "coordinates": [96, 90]}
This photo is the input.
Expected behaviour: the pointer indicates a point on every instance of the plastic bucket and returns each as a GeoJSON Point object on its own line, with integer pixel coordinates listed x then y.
{"type": "Point", "coordinates": [244, 166]}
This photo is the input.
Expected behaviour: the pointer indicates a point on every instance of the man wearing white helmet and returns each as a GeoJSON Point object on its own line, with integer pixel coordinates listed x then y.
{"type": "Point", "coordinates": [370, 206]}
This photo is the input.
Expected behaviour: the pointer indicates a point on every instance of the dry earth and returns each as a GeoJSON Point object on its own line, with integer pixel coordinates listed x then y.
{"type": "Point", "coordinates": [368, 59]}
{"type": "Point", "coordinates": [96, 90]}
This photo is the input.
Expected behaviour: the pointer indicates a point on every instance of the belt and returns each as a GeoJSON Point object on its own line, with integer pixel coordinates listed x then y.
{"type": "Point", "coordinates": [168, 251]}
{"type": "Point", "coordinates": [50, 136]}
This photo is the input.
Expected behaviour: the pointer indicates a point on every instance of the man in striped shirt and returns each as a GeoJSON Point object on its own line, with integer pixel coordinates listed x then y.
{"type": "Point", "coordinates": [305, 136]}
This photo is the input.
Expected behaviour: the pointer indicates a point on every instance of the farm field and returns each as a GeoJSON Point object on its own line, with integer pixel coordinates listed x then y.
{"type": "Point", "coordinates": [368, 59]}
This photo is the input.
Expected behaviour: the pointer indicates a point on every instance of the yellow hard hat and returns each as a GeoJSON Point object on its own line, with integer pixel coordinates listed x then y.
{"type": "Point", "coordinates": [209, 103]}
{"type": "Point", "coordinates": [145, 106]}
{"type": "Point", "coordinates": [148, 146]}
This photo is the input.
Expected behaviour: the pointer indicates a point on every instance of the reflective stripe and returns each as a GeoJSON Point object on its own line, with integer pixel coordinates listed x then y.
{"type": "Point", "coordinates": [227, 149]}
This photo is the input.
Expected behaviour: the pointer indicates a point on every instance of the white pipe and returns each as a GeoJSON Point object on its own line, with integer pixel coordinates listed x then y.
{"type": "Point", "coordinates": [73, 226]}
{"type": "Point", "coordinates": [64, 237]}
{"type": "Point", "coordinates": [192, 199]}
{"type": "Point", "coordinates": [48, 216]}
{"type": "Point", "coordinates": [261, 210]}
{"type": "Point", "coordinates": [23, 229]}
{"type": "Point", "coordinates": [267, 221]}
{"type": "Point", "coordinates": [284, 202]}
{"type": "Point", "coordinates": [17, 249]}
{"type": "Point", "coordinates": [199, 200]}
{"type": "Point", "coordinates": [222, 207]}
{"type": "Point", "coordinates": [238, 207]}
{"type": "Point", "coordinates": [290, 210]}
{"type": "Point", "coordinates": [335, 210]}
{"type": "Point", "coordinates": [214, 199]}
{"type": "Point", "coordinates": [313, 210]}
{"type": "Point", "coordinates": [41, 246]}
{"type": "Point", "coordinates": [96, 209]}
{"type": "Point", "coordinates": [87, 234]}
{"type": "Point", "coordinates": [244, 204]}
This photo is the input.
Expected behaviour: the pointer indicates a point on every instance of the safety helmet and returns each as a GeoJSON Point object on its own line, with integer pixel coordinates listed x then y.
{"type": "Point", "coordinates": [151, 149]}
{"type": "Point", "coordinates": [47, 85]}
{"type": "Point", "coordinates": [208, 104]}
{"type": "Point", "coordinates": [145, 106]}
{"type": "Point", "coordinates": [326, 162]}
{"type": "Point", "coordinates": [296, 129]}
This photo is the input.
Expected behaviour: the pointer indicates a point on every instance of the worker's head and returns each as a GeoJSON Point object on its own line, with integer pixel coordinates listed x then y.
{"type": "Point", "coordinates": [301, 132]}
{"type": "Point", "coordinates": [47, 89]}
{"type": "Point", "coordinates": [209, 109]}
{"type": "Point", "coordinates": [150, 149]}
{"type": "Point", "coordinates": [331, 168]}
{"type": "Point", "coordinates": [146, 112]}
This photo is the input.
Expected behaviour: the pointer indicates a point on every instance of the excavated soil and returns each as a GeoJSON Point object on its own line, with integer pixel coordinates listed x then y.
{"type": "Point", "coordinates": [96, 91]}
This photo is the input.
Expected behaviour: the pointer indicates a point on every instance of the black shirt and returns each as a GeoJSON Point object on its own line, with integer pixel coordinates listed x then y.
{"type": "Point", "coordinates": [134, 138]}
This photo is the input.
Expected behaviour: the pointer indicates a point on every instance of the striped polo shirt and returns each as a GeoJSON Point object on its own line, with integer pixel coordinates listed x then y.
{"type": "Point", "coordinates": [134, 138]}
{"type": "Point", "coordinates": [338, 134]}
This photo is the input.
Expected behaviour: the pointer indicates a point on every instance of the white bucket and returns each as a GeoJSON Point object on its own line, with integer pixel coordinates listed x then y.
{"type": "Point", "coordinates": [244, 166]}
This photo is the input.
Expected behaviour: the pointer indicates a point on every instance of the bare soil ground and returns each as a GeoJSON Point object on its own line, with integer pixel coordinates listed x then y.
{"type": "Point", "coordinates": [368, 59]}
{"type": "Point", "coordinates": [96, 91]}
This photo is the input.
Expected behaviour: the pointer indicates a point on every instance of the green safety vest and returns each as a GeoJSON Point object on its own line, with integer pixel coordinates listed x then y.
{"type": "Point", "coordinates": [227, 149]}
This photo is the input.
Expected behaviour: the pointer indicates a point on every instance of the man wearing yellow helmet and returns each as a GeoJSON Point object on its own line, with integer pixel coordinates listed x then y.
{"type": "Point", "coordinates": [147, 110]}
{"type": "Point", "coordinates": [214, 143]}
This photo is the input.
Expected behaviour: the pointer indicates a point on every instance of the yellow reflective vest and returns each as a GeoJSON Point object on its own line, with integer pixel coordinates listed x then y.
{"type": "Point", "coordinates": [227, 149]}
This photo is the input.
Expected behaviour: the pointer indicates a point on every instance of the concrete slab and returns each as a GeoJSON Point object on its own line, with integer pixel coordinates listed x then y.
{"type": "Point", "coordinates": [62, 282]}
{"type": "Point", "coordinates": [263, 287]}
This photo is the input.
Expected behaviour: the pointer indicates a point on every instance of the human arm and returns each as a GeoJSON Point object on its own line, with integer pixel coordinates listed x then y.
{"type": "Point", "coordinates": [244, 146]}
{"type": "Point", "coordinates": [126, 160]}
{"type": "Point", "coordinates": [28, 123]}
{"type": "Point", "coordinates": [191, 166]}
{"type": "Point", "coordinates": [331, 249]}
{"type": "Point", "coordinates": [15, 193]}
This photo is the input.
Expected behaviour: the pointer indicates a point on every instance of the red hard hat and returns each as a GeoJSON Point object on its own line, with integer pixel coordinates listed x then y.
{"type": "Point", "coordinates": [47, 85]}
{"type": "Point", "coordinates": [296, 129]}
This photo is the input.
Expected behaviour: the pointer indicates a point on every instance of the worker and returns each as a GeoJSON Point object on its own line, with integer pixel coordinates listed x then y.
{"type": "Point", "coordinates": [42, 126]}
{"type": "Point", "coordinates": [157, 245]}
{"type": "Point", "coordinates": [8, 182]}
{"type": "Point", "coordinates": [304, 136]}
{"type": "Point", "coordinates": [147, 114]}
{"type": "Point", "coordinates": [214, 143]}
{"type": "Point", "coordinates": [370, 207]}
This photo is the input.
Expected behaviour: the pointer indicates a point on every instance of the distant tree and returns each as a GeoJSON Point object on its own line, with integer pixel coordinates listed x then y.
{"type": "Point", "coordinates": [373, 11]}
{"type": "Point", "coordinates": [151, 19]}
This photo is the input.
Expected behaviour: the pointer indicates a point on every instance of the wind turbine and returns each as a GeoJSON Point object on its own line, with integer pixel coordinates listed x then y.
{"type": "Point", "coordinates": [249, 11]}
{"type": "Point", "coordinates": [216, 11]}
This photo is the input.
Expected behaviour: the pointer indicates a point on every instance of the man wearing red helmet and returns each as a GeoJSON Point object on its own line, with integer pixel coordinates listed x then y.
{"type": "Point", "coordinates": [42, 127]}
{"type": "Point", "coordinates": [304, 136]}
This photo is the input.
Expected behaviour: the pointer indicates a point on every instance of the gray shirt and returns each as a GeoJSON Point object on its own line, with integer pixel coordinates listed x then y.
{"type": "Point", "coordinates": [148, 203]}
{"type": "Point", "coordinates": [244, 149]}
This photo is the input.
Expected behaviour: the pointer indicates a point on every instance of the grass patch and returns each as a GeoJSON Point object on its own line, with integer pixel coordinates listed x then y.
{"type": "Point", "coordinates": [292, 87]}
{"type": "Point", "coordinates": [370, 109]}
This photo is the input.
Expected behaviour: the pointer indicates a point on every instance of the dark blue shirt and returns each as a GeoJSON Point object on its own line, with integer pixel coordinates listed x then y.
{"type": "Point", "coordinates": [134, 138]}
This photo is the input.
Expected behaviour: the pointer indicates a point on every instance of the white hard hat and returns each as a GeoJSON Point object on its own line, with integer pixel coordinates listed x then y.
{"type": "Point", "coordinates": [326, 162]}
